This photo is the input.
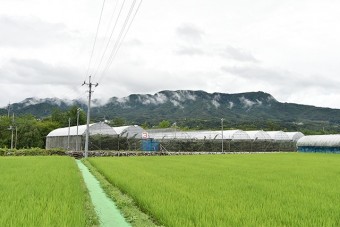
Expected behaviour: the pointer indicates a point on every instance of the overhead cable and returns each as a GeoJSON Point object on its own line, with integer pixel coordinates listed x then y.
{"type": "Point", "coordinates": [119, 39]}
{"type": "Point", "coordinates": [109, 41]}
{"type": "Point", "coordinates": [120, 44]}
{"type": "Point", "coordinates": [95, 40]}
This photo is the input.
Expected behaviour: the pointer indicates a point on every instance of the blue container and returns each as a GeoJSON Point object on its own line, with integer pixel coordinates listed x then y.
{"type": "Point", "coordinates": [150, 145]}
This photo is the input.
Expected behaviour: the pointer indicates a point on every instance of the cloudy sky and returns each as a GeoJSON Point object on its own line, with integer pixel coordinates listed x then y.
{"type": "Point", "coordinates": [288, 48]}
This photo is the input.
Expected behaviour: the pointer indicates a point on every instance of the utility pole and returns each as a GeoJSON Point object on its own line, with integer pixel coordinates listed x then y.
{"type": "Point", "coordinates": [8, 108]}
{"type": "Point", "coordinates": [77, 128]}
{"type": "Point", "coordinates": [222, 119]}
{"type": "Point", "coordinates": [12, 137]}
{"type": "Point", "coordinates": [16, 137]}
{"type": "Point", "coordinates": [88, 115]}
{"type": "Point", "coordinates": [68, 135]}
{"type": "Point", "coordinates": [175, 125]}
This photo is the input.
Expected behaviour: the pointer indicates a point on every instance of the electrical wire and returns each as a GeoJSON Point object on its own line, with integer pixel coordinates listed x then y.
{"type": "Point", "coordinates": [119, 39]}
{"type": "Point", "coordinates": [120, 34]}
{"type": "Point", "coordinates": [95, 40]}
{"type": "Point", "coordinates": [120, 44]}
{"type": "Point", "coordinates": [109, 41]}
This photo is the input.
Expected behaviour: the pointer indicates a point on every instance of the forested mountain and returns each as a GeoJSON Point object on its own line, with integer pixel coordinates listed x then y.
{"type": "Point", "coordinates": [196, 109]}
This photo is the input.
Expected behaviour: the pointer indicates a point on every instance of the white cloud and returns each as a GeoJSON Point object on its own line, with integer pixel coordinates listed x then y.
{"type": "Point", "coordinates": [286, 48]}
{"type": "Point", "coordinates": [247, 103]}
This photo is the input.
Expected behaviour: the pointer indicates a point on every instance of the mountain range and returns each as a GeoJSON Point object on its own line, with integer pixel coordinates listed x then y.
{"type": "Point", "coordinates": [193, 109]}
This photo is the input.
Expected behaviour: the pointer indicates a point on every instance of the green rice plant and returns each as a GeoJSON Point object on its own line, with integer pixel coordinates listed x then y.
{"type": "Point", "coordinates": [43, 191]}
{"type": "Point", "coordinates": [285, 189]}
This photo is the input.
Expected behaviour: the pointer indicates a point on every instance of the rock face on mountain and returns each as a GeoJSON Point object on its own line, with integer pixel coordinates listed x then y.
{"type": "Point", "coordinates": [186, 105]}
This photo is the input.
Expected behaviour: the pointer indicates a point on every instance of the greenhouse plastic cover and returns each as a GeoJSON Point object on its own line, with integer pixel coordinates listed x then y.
{"type": "Point", "coordinates": [295, 136]}
{"type": "Point", "coordinates": [278, 135]}
{"type": "Point", "coordinates": [201, 135]}
{"type": "Point", "coordinates": [258, 135]}
{"type": "Point", "coordinates": [319, 141]}
{"type": "Point", "coordinates": [97, 128]}
{"type": "Point", "coordinates": [129, 129]}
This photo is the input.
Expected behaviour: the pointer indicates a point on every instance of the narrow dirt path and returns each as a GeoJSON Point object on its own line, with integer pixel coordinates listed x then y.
{"type": "Point", "coordinates": [105, 208]}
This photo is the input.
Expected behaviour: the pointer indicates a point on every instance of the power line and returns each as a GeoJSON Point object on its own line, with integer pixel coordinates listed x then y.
{"type": "Point", "coordinates": [120, 44]}
{"type": "Point", "coordinates": [95, 40]}
{"type": "Point", "coordinates": [119, 39]}
{"type": "Point", "coordinates": [108, 43]}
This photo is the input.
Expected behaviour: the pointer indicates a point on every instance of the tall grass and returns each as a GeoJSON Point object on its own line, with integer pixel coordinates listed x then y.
{"type": "Point", "coordinates": [231, 190]}
{"type": "Point", "coordinates": [42, 191]}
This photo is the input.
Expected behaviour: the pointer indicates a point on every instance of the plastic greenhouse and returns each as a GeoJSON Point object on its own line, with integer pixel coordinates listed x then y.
{"type": "Point", "coordinates": [130, 131]}
{"type": "Point", "coordinates": [258, 135]}
{"type": "Point", "coordinates": [278, 136]}
{"type": "Point", "coordinates": [319, 143]}
{"type": "Point", "coordinates": [68, 138]}
{"type": "Point", "coordinates": [295, 136]}
{"type": "Point", "coordinates": [200, 135]}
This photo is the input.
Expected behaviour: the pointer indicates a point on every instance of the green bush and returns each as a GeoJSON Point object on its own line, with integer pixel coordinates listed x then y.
{"type": "Point", "coordinates": [31, 152]}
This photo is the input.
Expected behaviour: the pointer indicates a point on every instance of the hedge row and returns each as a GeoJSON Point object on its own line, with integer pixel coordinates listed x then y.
{"type": "Point", "coordinates": [31, 152]}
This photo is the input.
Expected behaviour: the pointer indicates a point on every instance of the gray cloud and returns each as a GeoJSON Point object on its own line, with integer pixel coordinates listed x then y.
{"type": "Point", "coordinates": [238, 54]}
{"type": "Point", "coordinates": [191, 51]}
{"type": "Point", "coordinates": [29, 31]}
{"type": "Point", "coordinates": [283, 80]}
{"type": "Point", "coordinates": [190, 33]}
{"type": "Point", "coordinates": [30, 71]}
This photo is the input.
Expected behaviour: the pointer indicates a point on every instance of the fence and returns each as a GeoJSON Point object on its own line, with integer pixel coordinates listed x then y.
{"type": "Point", "coordinates": [131, 144]}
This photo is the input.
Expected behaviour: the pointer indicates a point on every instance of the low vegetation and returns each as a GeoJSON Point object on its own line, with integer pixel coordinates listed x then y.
{"type": "Point", "coordinates": [43, 191]}
{"type": "Point", "coordinates": [231, 190]}
{"type": "Point", "coordinates": [31, 152]}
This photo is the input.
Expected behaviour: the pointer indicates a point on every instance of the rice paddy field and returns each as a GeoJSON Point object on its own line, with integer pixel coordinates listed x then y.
{"type": "Point", "coordinates": [286, 189]}
{"type": "Point", "coordinates": [43, 191]}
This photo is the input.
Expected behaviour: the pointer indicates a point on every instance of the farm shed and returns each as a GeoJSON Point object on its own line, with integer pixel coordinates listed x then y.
{"type": "Point", "coordinates": [319, 143]}
{"type": "Point", "coordinates": [278, 135]}
{"type": "Point", "coordinates": [129, 131]}
{"type": "Point", "coordinates": [258, 135]}
{"type": "Point", "coordinates": [68, 138]}
{"type": "Point", "coordinates": [295, 136]}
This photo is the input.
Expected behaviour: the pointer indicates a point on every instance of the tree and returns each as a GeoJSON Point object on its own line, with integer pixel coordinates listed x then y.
{"type": "Point", "coordinates": [30, 133]}
{"type": "Point", "coordinates": [72, 114]}
{"type": "Point", "coordinates": [59, 117]}
{"type": "Point", "coordinates": [62, 117]}
{"type": "Point", "coordinates": [164, 124]}
{"type": "Point", "coordinates": [118, 121]}
{"type": "Point", "coordinates": [5, 133]}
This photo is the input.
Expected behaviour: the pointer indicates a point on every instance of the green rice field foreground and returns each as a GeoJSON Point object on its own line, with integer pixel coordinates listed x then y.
{"type": "Point", "coordinates": [287, 189]}
{"type": "Point", "coordinates": [42, 191]}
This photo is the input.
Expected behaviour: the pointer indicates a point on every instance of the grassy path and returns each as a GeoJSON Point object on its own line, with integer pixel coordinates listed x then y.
{"type": "Point", "coordinates": [106, 210]}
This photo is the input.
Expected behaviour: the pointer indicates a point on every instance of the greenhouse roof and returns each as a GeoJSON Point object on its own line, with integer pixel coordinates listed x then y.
{"type": "Point", "coordinates": [258, 135]}
{"type": "Point", "coordinates": [133, 128]}
{"type": "Point", "coordinates": [201, 135]}
{"type": "Point", "coordinates": [278, 135]}
{"type": "Point", "coordinates": [97, 128]}
{"type": "Point", "coordinates": [319, 141]}
{"type": "Point", "coordinates": [295, 136]}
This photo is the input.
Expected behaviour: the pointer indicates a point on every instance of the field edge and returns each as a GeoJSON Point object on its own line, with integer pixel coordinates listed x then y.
{"type": "Point", "coordinates": [125, 203]}
{"type": "Point", "coordinates": [92, 219]}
